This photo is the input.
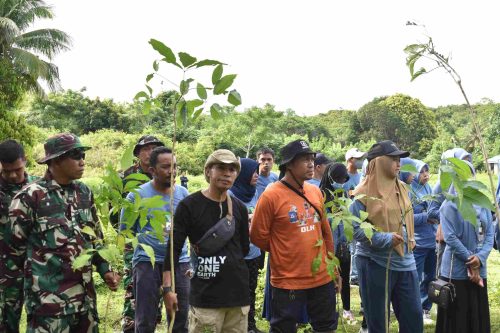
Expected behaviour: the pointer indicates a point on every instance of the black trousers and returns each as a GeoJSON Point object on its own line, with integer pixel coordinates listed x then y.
{"type": "Point", "coordinates": [253, 275]}
{"type": "Point", "coordinates": [345, 269]}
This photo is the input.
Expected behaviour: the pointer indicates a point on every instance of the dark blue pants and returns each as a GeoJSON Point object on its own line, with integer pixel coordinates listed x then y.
{"type": "Point", "coordinates": [426, 270]}
{"type": "Point", "coordinates": [403, 293]}
{"type": "Point", "coordinates": [147, 283]}
{"type": "Point", "coordinates": [287, 306]}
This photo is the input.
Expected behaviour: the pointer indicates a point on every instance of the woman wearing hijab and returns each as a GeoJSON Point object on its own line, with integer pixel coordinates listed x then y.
{"type": "Point", "coordinates": [244, 188]}
{"type": "Point", "coordinates": [331, 185]}
{"type": "Point", "coordinates": [464, 261]}
{"type": "Point", "coordinates": [386, 264]}
{"type": "Point", "coordinates": [437, 191]}
{"type": "Point", "coordinates": [425, 235]}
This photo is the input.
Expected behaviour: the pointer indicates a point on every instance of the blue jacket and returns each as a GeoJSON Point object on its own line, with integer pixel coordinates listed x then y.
{"type": "Point", "coordinates": [380, 246]}
{"type": "Point", "coordinates": [463, 240]}
{"type": "Point", "coordinates": [425, 233]}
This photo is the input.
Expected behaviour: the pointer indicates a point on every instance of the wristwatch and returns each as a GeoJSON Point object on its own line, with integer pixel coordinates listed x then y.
{"type": "Point", "coordinates": [166, 290]}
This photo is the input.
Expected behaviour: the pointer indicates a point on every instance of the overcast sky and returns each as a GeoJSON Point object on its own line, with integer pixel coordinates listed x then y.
{"type": "Point", "coordinates": [310, 56]}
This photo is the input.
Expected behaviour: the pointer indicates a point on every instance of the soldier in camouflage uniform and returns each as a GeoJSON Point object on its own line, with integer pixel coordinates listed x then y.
{"type": "Point", "coordinates": [46, 222]}
{"type": "Point", "coordinates": [12, 178]}
{"type": "Point", "coordinates": [142, 151]}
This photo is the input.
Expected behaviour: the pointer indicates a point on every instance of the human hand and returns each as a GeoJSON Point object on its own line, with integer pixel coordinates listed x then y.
{"type": "Point", "coordinates": [397, 239]}
{"type": "Point", "coordinates": [112, 280]}
{"type": "Point", "coordinates": [170, 300]}
{"type": "Point", "coordinates": [473, 262]}
{"type": "Point", "coordinates": [432, 221]}
{"type": "Point", "coordinates": [439, 234]}
{"type": "Point", "coordinates": [338, 283]}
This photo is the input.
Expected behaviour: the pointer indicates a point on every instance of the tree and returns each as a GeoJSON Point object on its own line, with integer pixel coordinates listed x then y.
{"type": "Point", "coordinates": [21, 48]}
{"type": "Point", "coordinates": [400, 118]}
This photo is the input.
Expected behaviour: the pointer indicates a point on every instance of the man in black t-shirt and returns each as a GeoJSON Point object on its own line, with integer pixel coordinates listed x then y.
{"type": "Point", "coordinates": [216, 297]}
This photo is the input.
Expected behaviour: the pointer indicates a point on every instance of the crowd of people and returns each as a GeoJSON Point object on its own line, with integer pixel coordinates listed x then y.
{"type": "Point", "coordinates": [223, 234]}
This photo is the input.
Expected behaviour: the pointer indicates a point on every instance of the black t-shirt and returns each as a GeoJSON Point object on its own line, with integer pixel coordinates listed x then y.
{"type": "Point", "coordinates": [220, 280]}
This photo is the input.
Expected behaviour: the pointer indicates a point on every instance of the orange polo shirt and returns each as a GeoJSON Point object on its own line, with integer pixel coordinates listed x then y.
{"type": "Point", "coordinates": [288, 227]}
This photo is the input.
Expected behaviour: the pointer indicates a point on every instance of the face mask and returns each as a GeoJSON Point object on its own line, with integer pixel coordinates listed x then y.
{"type": "Point", "coordinates": [359, 164]}
{"type": "Point", "coordinates": [337, 186]}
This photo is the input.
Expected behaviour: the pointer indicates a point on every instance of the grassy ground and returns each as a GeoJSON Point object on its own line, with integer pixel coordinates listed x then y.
{"type": "Point", "coordinates": [111, 322]}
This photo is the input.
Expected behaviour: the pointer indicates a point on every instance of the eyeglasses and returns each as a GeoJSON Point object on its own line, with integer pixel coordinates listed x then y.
{"type": "Point", "coordinates": [75, 154]}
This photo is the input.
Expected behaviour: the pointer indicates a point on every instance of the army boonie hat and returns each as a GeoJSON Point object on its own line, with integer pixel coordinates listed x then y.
{"type": "Point", "coordinates": [59, 144]}
{"type": "Point", "coordinates": [146, 140]}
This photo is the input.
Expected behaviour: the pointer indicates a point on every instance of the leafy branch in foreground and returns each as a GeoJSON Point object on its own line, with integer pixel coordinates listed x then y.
{"type": "Point", "coordinates": [466, 196]}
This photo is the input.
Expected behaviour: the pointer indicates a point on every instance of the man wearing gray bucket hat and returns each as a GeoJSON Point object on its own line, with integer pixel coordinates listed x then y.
{"type": "Point", "coordinates": [216, 297]}
{"type": "Point", "coordinates": [48, 222]}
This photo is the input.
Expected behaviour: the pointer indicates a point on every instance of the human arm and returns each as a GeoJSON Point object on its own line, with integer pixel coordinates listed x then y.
{"type": "Point", "coordinates": [381, 240]}
{"type": "Point", "coordinates": [260, 229]}
{"type": "Point", "coordinates": [244, 232]}
{"type": "Point", "coordinates": [450, 222]}
{"type": "Point", "coordinates": [489, 233]}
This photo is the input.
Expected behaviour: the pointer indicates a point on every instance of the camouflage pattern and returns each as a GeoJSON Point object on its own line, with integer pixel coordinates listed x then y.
{"type": "Point", "coordinates": [75, 323]}
{"type": "Point", "coordinates": [46, 222]}
{"type": "Point", "coordinates": [59, 144]}
{"type": "Point", "coordinates": [128, 312]}
{"type": "Point", "coordinates": [11, 289]}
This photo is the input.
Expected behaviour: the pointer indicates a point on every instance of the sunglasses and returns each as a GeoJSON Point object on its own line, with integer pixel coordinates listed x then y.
{"type": "Point", "coordinates": [75, 154]}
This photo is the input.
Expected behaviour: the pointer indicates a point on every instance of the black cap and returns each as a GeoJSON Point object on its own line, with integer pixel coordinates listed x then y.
{"type": "Point", "coordinates": [321, 159]}
{"type": "Point", "coordinates": [146, 140]}
{"type": "Point", "coordinates": [386, 148]}
{"type": "Point", "coordinates": [292, 150]}
{"type": "Point", "coordinates": [338, 172]}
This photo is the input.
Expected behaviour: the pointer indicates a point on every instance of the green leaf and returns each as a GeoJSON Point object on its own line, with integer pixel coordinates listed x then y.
{"type": "Point", "coordinates": [132, 185]}
{"type": "Point", "coordinates": [81, 261]}
{"type": "Point", "coordinates": [146, 107]}
{"type": "Point", "coordinates": [224, 83]}
{"type": "Point", "coordinates": [461, 168]}
{"type": "Point", "coordinates": [120, 242]}
{"type": "Point", "coordinates": [217, 74]}
{"type": "Point", "coordinates": [111, 254]}
{"type": "Point", "coordinates": [197, 113]}
{"type": "Point", "coordinates": [477, 198]}
{"type": "Point", "coordinates": [186, 59]}
{"type": "Point", "coordinates": [164, 51]}
{"type": "Point", "coordinates": [316, 264]}
{"type": "Point", "coordinates": [418, 73]}
{"type": "Point", "coordinates": [445, 180]}
{"type": "Point", "coordinates": [149, 77]}
{"type": "Point", "coordinates": [153, 202]}
{"type": "Point", "coordinates": [208, 62]}
{"type": "Point", "coordinates": [319, 243]}
{"type": "Point", "coordinates": [89, 231]}
{"type": "Point", "coordinates": [149, 252]}
{"type": "Point", "coordinates": [409, 168]}
{"type": "Point", "coordinates": [127, 158]}
{"type": "Point", "coordinates": [201, 91]}
{"type": "Point", "coordinates": [348, 230]}
{"type": "Point", "coordinates": [138, 176]}
{"type": "Point", "coordinates": [156, 65]}
{"type": "Point", "coordinates": [141, 94]}
{"type": "Point", "coordinates": [234, 98]}
{"type": "Point", "coordinates": [475, 185]}
{"type": "Point", "coordinates": [215, 111]}
{"type": "Point", "coordinates": [363, 215]}
{"type": "Point", "coordinates": [367, 229]}
{"type": "Point", "coordinates": [184, 87]}
{"type": "Point", "coordinates": [468, 212]}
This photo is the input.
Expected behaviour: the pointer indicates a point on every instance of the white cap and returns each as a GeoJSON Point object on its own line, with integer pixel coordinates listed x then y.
{"type": "Point", "coordinates": [354, 152]}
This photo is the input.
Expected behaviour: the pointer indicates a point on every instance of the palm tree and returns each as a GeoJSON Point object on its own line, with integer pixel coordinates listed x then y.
{"type": "Point", "coordinates": [29, 52]}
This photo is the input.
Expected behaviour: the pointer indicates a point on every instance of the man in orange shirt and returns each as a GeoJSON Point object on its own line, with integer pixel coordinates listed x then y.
{"type": "Point", "coordinates": [288, 222]}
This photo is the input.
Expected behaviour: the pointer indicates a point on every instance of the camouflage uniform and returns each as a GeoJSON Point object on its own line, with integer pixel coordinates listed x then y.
{"type": "Point", "coordinates": [128, 313]}
{"type": "Point", "coordinates": [46, 222]}
{"type": "Point", "coordinates": [11, 293]}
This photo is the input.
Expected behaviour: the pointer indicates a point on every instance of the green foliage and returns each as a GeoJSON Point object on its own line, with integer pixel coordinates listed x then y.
{"type": "Point", "coordinates": [399, 118]}
{"type": "Point", "coordinates": [29, 52]}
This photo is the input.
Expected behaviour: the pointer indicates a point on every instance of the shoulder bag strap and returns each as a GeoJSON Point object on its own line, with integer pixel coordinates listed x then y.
{"type": "Point", "coordinates": [302, 196]}
{"type": "Point", "coordinates": [229, 207]}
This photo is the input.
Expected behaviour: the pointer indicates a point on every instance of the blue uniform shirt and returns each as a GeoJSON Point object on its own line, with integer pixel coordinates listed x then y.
{"type": "Point", "coordinates": [159, 246]}
{"type": "Point", "coordinates": [262, 182]}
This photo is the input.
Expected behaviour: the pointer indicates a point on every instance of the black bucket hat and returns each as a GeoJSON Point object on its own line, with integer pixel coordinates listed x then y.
{"type": "Point", "coordinates": [386, 148]}
{"type": "Point", "coordinates": [147, 140]}
{"type": "Point", "coordinates": [292, 150]}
